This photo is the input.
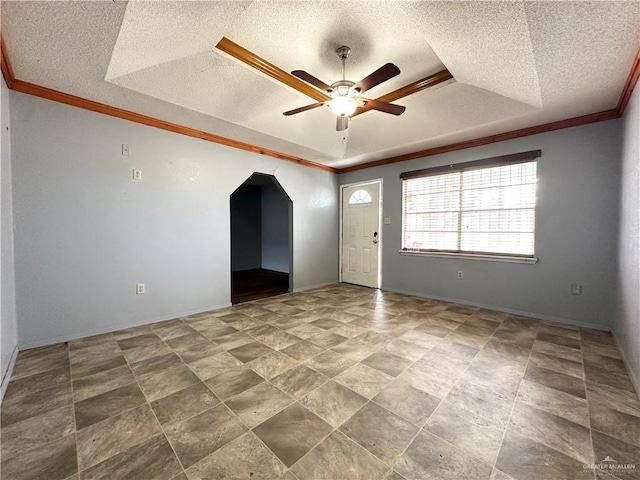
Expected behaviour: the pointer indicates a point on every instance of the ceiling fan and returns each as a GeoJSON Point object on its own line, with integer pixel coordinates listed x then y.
{"type": "Point", "coordinates": [345, 90]}
{"type": "Point", "coordinates": [344, 94]}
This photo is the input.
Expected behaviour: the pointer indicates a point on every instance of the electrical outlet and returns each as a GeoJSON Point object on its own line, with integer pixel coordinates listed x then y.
{"type": "Point", "coordinates": [387, 221]}
{"type": "Point", "coordinates": [460, 274]}
{"type": "Point", "coordinates": [576, 289]}
{"type": "Point", "coordinates": [139, 288]}
{"type": "Point", "coordinates": [126, 151]}
{"type": "Point", "coordinates": [137, 174]}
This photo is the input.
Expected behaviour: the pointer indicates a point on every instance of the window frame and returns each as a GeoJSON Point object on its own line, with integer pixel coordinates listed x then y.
{"type": "Point", "coordinates": [513, 159]}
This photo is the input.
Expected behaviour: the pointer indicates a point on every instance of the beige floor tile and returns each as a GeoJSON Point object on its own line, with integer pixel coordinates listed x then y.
{"type": "Point", "coordinates": [153, 458]}
{"type": "Point", "coordinates": [208, 367]}
{"type": "Point", "coordinates": [338, 457]}
{"type": "Point", "coordinates": [557, 364]}
{"type": "Point", "coordinates": [525, 459]}
{"type": "Point", "coordinates": [354, 349]}
{"type": "Point", "coordinates": [279, 340]}
{"type": "Point", "coordinates": [184, 404]}
{"type": "Point", "coordinates": [492, 405]}
{"type": "Point", "coordinates": [472, 433]}
{"type": "Point", "coordinates": [36, 431]}
{"type": "Point", "coordinates": [101, 382]}
{"type": "Point", "coordinates": [615, 423]}
{"type": "Point", "coordinates": [302, 351]}
{"type": "Point", "coordinates": [199, 351]}
{"type": "Point", "coordinates": [199, 436]}
{"type": "Point", "coordinates": [39, 381]}
{"type": "Point", "coordinates": [272, 365]}
{"type": "Point", "coordinates": [405, 349]}
{"type": "Point", "coordinates": [165, 383]}
{"type": "Point", "coordinates": [387, 362]}
{"type": "Point", "coordinates": [621, 452]}
{"type": "Point", "coordinates": [335, 382]}
{"type": "Point", "coordinates": [330, 363]}
{"type": "Point", "coordinates": [155, 365]}
{"type": "Point", "coordinates": [559, 381]}
{"type": "Point", "coordinates": [364, 380]}
{"type": "Point", "coordinates": [98, 363]}
{"type": "Point", "coordinates": [291, 433]}
{"type": "Point", "coordinates": [233, 382]}
{"type": "Point", "coordinates": [257, 404]}
{"type": "Point", "coordinates": [233, 340]}
{"type": "Point", "coordinates": [103, 440]}
{"type": "Point", "coordinates": [603, 376]}
{"type": "Point", "coordinates": [507, 350]}
{"type": "Point", "coordinates": [299, 381]}
{"type": "Point", "coordinates": [428, 457]}
{"type": "Point", "coordinates": [250, 351]}
{"type": "Point", "coordinates": [556, 432]}
{"type": "Point", "coordinates": [17, 408]}
{"type": "Point", "coordinates": [557, 350]}
{"type": "Point", "coordinates": [407, 401]}
{"type": "Point", "coordinates": [333, 402]}
{"type": "Point", "coordinates": [56, 460]}
{"type": "Point", "coordinates": [244, 457]}
{"type": "Point", "coordinates": [184, 342]}
{"type": "Point", "coordinates": [554, 401]}
{"type": "Point", "coordinates": [381, 432]}
{"type": "Point", "coordinates": [114, 402]}
{"type": "Point", "coordinates": [327, 339]}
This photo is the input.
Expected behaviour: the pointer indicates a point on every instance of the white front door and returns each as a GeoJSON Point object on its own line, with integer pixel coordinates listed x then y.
{"type": "Point", "coordinates": [361, 234]}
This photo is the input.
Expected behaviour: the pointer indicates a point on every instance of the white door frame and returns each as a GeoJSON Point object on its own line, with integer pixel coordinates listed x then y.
{"type": "Point", "coordinates": [380, 235]}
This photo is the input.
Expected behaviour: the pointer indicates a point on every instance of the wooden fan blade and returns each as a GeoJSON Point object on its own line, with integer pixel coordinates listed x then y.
{"type": "Point", "coordinates": [307, 77]}
{"type": "Point", "coordinates": [303, 109]}
{"type": "Point", "coordinates": [412, 88]}
{"type": "Point", "coordinates": [254, 61]}
{"type": "Point", "coordinates": [384, 73]}
{"type": "Point", "coordinates": [342, 123]}
{"type": "Point", "coordinates": [383, 106]}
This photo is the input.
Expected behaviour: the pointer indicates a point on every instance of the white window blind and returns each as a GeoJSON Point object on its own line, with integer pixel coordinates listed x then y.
{"type": "Point", "coordinates": [488, 210]}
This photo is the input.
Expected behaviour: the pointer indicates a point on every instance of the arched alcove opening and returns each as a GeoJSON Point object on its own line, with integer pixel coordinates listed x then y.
{"type": "Point", "coordinates": [261, 239]}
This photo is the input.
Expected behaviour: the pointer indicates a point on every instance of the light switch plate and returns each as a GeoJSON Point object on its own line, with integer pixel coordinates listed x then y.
{"type": "Point", "coordinates": [387, 221]}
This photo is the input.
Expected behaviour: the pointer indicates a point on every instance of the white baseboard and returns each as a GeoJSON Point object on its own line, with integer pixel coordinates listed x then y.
{"type": "Point", "coordinates": [550, 318]}
{"type": "Point", "coordinates": [632, 375]}
{"type": "Point", "coordinates": [6, 375]}
{"type": "Point", "coordinates": [115, 328]}
{"type": "Point", "coordinates": [311, 287]}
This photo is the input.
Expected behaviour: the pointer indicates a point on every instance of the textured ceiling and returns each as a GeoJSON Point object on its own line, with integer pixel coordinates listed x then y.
{"type": "Point", "coordinates": [516, 64]}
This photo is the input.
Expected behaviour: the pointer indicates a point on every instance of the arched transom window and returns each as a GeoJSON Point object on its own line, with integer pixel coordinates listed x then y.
{"type": "Point", "coordinates": [360, 196]}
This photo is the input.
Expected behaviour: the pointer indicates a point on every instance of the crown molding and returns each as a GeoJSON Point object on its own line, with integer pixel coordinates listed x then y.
{"type": "Point", "coordinates": [632, 81]}
{"type": "Point", "coordinates": [5, 65]}
{"type": "Point", "coordinates": [612, 114]}
{"type": "Point", "coordinates": [61, 97]}
{"type": "Point", "coordinates": [501, 137]}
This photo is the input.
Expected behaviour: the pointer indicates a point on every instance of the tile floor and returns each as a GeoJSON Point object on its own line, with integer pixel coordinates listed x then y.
{"type": "Point", "coordinates": [338, 382]}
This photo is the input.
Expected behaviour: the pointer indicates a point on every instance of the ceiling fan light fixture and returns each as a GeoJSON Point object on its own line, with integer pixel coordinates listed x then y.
{"type": "Point", "coordinates": [343, 106]}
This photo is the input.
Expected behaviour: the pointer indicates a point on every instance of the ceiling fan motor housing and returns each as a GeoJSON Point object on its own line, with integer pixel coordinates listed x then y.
{"type": "Point", "coordinates": [344, 88]}
{"type": "Point", "coordinates": [343, 52]}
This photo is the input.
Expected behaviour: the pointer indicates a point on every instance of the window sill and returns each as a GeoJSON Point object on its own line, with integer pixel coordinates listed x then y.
{"type": "Point", "coordinates": [471, 256]}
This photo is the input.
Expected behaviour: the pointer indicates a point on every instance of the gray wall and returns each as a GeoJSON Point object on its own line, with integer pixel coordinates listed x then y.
{"type": "Point", "coordinates": [627, 325]}
{"type": "Point", "coordinates": [8, 327]}
{"type": "Point", "coordinates": [86, 233]}
{"type": "Point", "coordinates": [275, 229]}
{"type": "Point", "coordinates": [246, 228]}
{"type": "Point", "coordinates": [576, 231]}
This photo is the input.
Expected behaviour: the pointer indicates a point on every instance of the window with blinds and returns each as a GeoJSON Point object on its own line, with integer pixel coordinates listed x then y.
{"type": "Point", "coordinates": [478, 209]}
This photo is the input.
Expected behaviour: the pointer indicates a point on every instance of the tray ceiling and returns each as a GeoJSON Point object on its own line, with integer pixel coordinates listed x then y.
{"type": "Point", "coordinates": [515, 65]}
